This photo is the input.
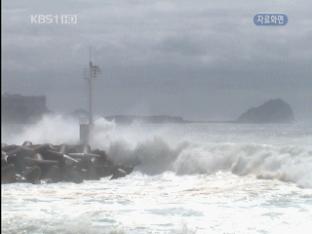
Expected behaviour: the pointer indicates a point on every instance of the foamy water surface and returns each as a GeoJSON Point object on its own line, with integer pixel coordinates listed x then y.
{"type": "Point", "coordinates": [193, 178]}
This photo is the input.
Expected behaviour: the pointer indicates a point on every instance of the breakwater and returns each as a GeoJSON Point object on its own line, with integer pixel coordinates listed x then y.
{"type": "Point", "coordinates": [47, 163]}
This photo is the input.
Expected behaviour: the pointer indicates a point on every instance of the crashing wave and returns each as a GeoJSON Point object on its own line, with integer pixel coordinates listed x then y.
{"type": "Point", "coordinates": [155, 153]}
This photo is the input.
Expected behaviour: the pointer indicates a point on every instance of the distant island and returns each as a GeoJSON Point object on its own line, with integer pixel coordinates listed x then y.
{"type": "Point", "coordinates": [272, 111]}
{"type": "Point", "coordinates": [28, 109]}
{"type": "Point", "coordinates": [129, 119]}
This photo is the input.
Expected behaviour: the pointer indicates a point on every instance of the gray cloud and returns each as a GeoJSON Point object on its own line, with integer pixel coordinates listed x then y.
{"type": "Point", "coordinates": [156, 55]}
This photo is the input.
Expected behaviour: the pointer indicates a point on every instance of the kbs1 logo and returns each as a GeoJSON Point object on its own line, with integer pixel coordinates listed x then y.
{"type": "Point", "coordinates": [53, 19]}
{"type": "Point", "coordinates": [266, 19]}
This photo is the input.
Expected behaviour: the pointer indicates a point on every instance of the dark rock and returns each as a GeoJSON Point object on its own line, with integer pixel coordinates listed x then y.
{"type": "Point", "coordinates": [72, 174]}
{"type": "Point", "coordinates": [54, 163]}
{"type": "Point", "coordinates": [22, 151]}
{"type": "Point", "coordinates": [20, 178]}
{"type": "Point", "coordinates": [104, 170]}
{"type": "Point", "coordinates": [69, 160]}
{"type": "Point", "coordinates": [101, 153]}
{"type": "Point", "coordinates": [8, 174]}
{"type": "Point", "coordinates": [88, 169]}
{"type": "Point", "coordinates": [43, 148]}
{"type": "Point", "coordinates": [53, 174]}
{"type": "Point", "coordinates": [4, 158]}
{"type": "Point", "coordinates": [33, 175]}
{"type": "Point", "coordinates": [41, 162]}
{"type": "Point", "coordinates": [127, 168]}
{"type": "Point", "coordinates": [48, 154]}
{"type": "Point", "coordinates": [272, 111]}
{"type": "Point", "coordinates": [119, 172]}
{"type": "Point", "coordinates": [19, 162]}
{"type": "Point", "coordinates": [8, 148]}
{"type": "Point", "coordinates": [83, 155]}
{"type": "Point", "coordinates": [104, 166]}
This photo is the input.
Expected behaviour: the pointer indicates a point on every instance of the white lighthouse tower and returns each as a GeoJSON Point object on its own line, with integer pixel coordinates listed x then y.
{"type": "Point", "coordinates": [87, 128]}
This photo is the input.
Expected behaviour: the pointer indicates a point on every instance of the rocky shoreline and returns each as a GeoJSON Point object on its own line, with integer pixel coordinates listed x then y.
{"type": "Point", "coordinates": [47, 163]}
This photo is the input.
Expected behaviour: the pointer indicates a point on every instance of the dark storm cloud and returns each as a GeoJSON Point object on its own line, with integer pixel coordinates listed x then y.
{"type": "Point", "coordinates": [206, 55]}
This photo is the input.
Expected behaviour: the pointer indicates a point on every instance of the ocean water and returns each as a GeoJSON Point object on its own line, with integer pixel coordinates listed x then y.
{"type": "Point", "coordinates": [193, 178]}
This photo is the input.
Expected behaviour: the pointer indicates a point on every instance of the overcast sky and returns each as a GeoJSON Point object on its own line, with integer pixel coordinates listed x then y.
{"type": "Point", "coordinates": [198, 59]}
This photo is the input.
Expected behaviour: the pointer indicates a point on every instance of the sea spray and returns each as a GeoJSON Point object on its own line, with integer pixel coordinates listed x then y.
{"type": "Point", "coordinates": [53, 129]}
{"type": "Point", "coordinates": [154, 149]}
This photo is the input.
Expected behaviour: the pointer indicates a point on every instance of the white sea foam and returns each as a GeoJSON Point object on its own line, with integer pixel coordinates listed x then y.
{"type": "Point", "coordinates": [163, 203]}
{"type": "Point", "coordinates": [159, 149]}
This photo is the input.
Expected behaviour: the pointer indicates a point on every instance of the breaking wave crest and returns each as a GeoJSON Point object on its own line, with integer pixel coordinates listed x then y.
{"type": "Point", "coordinates": [155, 153]}
{"type": "Point", "coordinates": [287, 163]}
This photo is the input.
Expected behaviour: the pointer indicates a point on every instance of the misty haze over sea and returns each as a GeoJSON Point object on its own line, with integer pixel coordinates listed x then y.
{"type": "Point", "coordinates": [202, 119]}
{"type": "Point", "coordinates": [196, 60]}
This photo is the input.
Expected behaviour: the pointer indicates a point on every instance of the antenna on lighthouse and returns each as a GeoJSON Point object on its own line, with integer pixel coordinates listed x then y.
{"type": "Point", "coordinates": [86, 129]}
{"type": "Point", "coordinates": [93, 71]}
